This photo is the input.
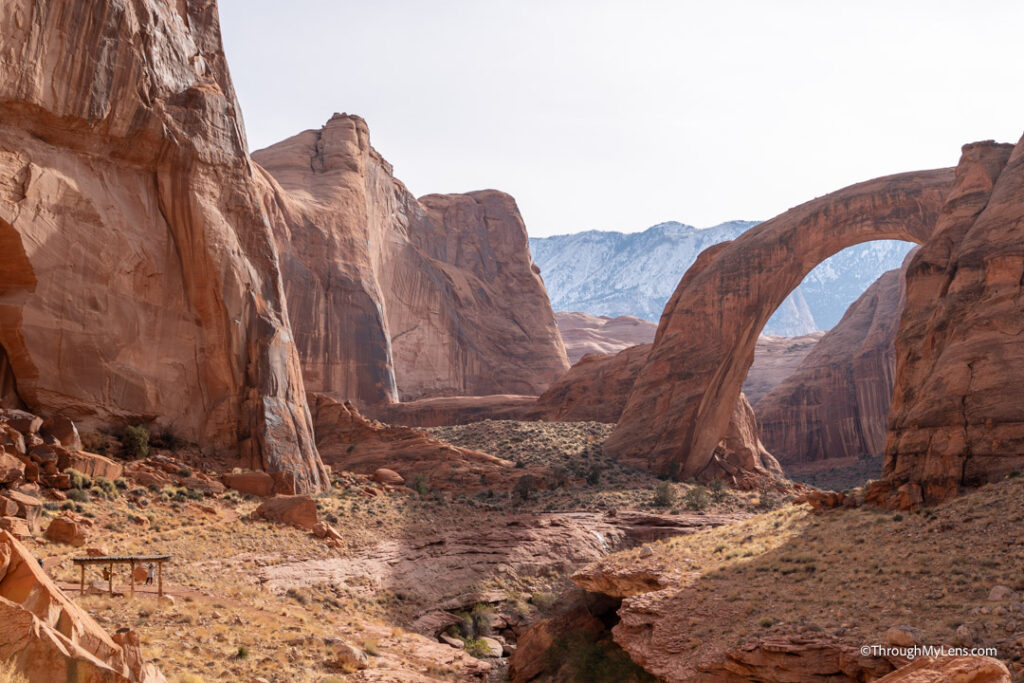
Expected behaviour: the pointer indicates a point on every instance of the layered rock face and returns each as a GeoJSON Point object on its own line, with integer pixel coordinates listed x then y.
{"type": "Point", "coordinates": [393, 298]}
{"type": "Point", "coordinates": [583, 333]}
{"type": "Point", "coordinates": [682, 402]}
{"type": "Point", "coordinates": [836, 404]}
{"type": "Point", "coordinates": [140, 278]}
{"type": "Point", "coordinates": [775, 359]}
{"type": "Point", "coordinates": [596, 387]}
{"type": "Point", "coordinates": [957, 418]}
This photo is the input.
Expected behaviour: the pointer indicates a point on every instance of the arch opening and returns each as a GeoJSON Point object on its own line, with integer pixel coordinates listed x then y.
{"type": "Point", "coordinates": [826, 415]}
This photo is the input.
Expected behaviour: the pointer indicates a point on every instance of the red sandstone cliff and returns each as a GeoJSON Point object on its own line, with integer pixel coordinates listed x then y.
{"type": "Point", "coordinates": [836, 404]}
{"type": "Point", "coordinates": [397, 298]}
{"type": "Point", "coordinates": [957, 418]}
{"type": "Point", "coordinates": [140, 279]}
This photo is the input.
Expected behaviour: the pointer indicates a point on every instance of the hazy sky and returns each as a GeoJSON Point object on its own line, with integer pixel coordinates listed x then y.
{"type": "Point", "coordinates": [619, 115]}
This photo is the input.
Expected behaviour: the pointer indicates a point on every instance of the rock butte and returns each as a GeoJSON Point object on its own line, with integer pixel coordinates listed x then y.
{"type": "Point", "coordinates": [836, 403]}
{"type": "Point", "coordinates": [393, 298]}
{"type": "Point", "coordinates": [681, 403]}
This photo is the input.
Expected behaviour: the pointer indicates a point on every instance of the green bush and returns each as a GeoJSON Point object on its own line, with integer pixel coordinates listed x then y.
{"type": "Point", "coordinates": [420, 483]}
{"type": "Point", "coordinates": [664, 495]}
{"type": "Point", "coordinates": [135, 442]}
{"type": "Point", "coordinates": [477, 648]}
{"type": "Point", "coordinates": [696, 498]}
{"type": "Point", "coordinates": [79, 496]}
{"type": "Point", "coordinates": [78, 480]}
{"type": "Point", "coordinates": [184, 472]}
{"type": "Point", "coordinates": [718, 490]}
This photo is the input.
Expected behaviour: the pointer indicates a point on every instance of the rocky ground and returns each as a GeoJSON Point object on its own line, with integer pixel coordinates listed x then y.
{"type": "Point", "coordinates": [413, 568]}
{"type": "Point", "coordinates": [835, 581]}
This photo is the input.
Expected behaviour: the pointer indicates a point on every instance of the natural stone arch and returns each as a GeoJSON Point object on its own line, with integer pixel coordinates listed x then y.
{"type": "Point", "coordinates": [680, 404]}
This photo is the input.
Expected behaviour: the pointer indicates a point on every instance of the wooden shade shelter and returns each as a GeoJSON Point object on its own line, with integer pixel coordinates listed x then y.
{"type": "Point", "coordinates": [131, 561]}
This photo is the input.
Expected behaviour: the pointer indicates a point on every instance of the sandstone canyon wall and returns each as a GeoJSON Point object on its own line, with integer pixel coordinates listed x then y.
{"type": "Point", "coordinates": [140, 278]}
{"type": "Point", "coordinates": [957, 416]}
{"type": "Point", "coordinates": [836, 404]}
{"type": "Point", "coordinates": [681, 404]}
{"type": "Point", "coordinates": [397, 298]}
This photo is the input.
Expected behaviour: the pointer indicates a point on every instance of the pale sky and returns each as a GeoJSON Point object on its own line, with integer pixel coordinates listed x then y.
{"type": "Point", "coordinates": [619, 115]}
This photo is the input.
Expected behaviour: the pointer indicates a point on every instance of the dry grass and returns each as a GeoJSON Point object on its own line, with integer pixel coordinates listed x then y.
{"type": "Point", "coordinates": [849, 574]}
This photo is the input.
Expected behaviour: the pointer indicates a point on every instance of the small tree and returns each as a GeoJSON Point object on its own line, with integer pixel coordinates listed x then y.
{"type": "Point", "coordinates": [696, 498]}
{"type": "Point", "coordinates": [135, 441]}
{"type": "Point", "coordinates": [664, 495]}
{"type": "Point", "coordinates": [524, 488]}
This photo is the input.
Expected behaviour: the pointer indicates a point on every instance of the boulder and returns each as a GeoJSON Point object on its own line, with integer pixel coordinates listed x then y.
{"type": "Point", "coordinates": [350, 658]}
{"type": "Point", "coordinates": [326, 531]}
{"type": "Point", "coordinates": [950, 670]}
{"type": "Point", "coordinates": [29, 507]}
{"type": "Point", "coordinates": [250, 483]}
{"type": "Point", "coordinates": [1002, 594]}
{"type": "Point", "coordinates": [383, 475]}
{"type": "Point", "coordinates": [298, 511]}
{"type": "Point", "coordinates": [11, 440]}
{"type": "Point", "coordinates": [92, 464]}
{"type": "Point", "coordinates": [210, 487]}
{"type": "Point", "coordinates": [491, 647]}
{"type": "Point", "coordinates": [24, 422]}
{"type": "Point", "coordinates": [904, 636]}
{"type": "Point", "coordinates": [64, 431]}
{"type": "Point", "coordinates": [49, 638]}
{"type": "Point", "coordinates": [11, 469]}
{"type": "Point", "coordinates": [16, 526]}
{"type": "Point", "coordinates": [68, 529]}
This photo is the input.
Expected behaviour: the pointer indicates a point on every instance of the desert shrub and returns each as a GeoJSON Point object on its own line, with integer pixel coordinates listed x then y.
{"type": "Point", "coordinates": [559, 476]}
{"type": "Point", "coordinates": [664, 495]}
{"type": "Point", "coordinates": [94, 442]}
{"type": "Point", "coordinates": [121, 483]}
{"type": "Point", "coordinates": [482, 617]}
{"type": "Point", "coordinates": [594, 475]}
{"type": "Point", "coordinates": [525, 487]}
{"type": "Point", "coordinates": [78, 479]}
{"type": "Point", "coordinates": [767, 500]}
{"type": "Point", "coordinates": [592, 661]}
{"type": "Point", "coordinates": [718, 490]}
{"type": "Point", "coordinates": [184, 472]}
{"type": "Point", "coordinates": [135, 442]}
{"type": "Point", "coordinates": [477, 648]}
{"type": "Point", "coordinates": [105, 485]}
{"type": "Point", "coordinates": [420, 483]}
{"type": "Point", "coordinates": [243, 652]}
{"type": "Point", "coordinates": [371, 647]}
{"type": "Point", "coordinates": [167, 440]}
{"type": "Point", "coordinates": [543, 601]}
{"type": "Point", "coordinates": [696, 498]}
{"type": "Point", "coordinates": [79, 496]}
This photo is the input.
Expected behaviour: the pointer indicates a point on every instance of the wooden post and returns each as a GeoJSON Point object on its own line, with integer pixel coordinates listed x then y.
{"type": "Point", "coordinates": [81, 582]}
{"type": "Point", "coordinates": [131, 568]}
{"type": "Point", "coordinates": [160, 579]}
{"type": "Point", "coordinates": [110, 578]}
